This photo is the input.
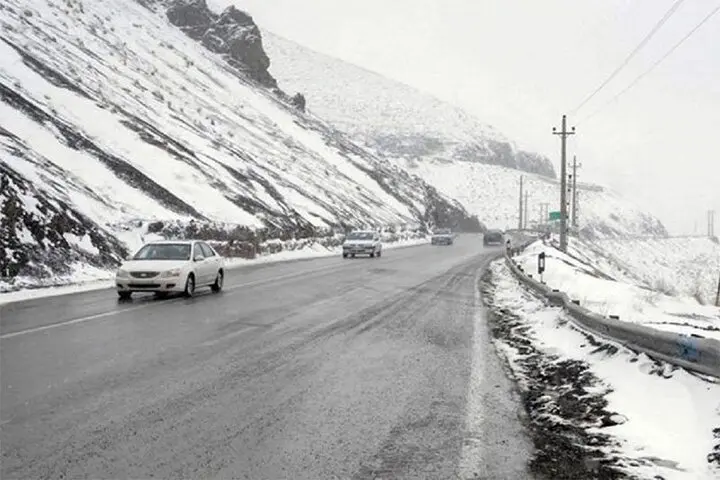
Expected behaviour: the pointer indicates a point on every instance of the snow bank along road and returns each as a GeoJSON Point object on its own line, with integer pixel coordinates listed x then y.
{"type": "Point", "coordinates": [326, 368]}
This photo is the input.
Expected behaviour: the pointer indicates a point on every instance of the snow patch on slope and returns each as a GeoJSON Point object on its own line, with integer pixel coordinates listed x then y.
{"type": "Point", "coordinates": [677, 266]}
{"type": "Point", "coordinates": [601, 293]}
{"type": "Point", "coordinates": [492, 193]}
{"type": "Point", "coordinates": [391, 117]}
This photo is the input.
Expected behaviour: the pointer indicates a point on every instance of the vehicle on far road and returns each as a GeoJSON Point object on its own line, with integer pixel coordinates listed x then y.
{"type": "Point", "coordinates": [442, 236]}
{"type": "Point", "coordinates": [166, 267]}
{"type": "Point", "coordinates": [493, 237]}
{"type": "Point", "coordinates": [364, 242]}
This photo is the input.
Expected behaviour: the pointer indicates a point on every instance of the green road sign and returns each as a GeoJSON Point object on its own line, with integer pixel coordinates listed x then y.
{"type": "Point", "coordinates": [555, 216]}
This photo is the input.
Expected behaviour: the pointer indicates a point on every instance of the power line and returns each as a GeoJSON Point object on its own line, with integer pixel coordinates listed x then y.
{"type": "Point", "coordinates": [654, 65]}
{"type": "Point", "coordinates": [644, 41]}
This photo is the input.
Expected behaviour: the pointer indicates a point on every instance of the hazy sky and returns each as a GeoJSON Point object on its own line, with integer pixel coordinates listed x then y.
{"type": "Point", "coordinates": [520, 64]}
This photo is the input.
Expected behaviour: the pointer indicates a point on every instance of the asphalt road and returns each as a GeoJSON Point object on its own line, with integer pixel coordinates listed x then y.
{"type": "Point", "coordinates": [320, 369]}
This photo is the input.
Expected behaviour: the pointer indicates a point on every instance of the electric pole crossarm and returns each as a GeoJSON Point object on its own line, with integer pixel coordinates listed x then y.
{"type": "Point", "coordinates": [574, 221]}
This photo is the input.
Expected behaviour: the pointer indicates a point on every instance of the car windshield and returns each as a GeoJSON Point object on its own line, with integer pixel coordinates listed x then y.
{"type": "Point", "coordinates": [442, 231]}
{"type": "Point", "coordinates": [360, 236]}
{"type": "Point", "coordinates": [164, 251]}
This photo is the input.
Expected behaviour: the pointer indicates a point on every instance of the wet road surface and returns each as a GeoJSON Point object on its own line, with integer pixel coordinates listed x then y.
{"type": "Point", "coordinates": [319, 369]}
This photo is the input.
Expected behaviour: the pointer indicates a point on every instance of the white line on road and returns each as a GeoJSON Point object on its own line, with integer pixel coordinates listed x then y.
{"type": "Point", "coordinates": [74, 321]}
{"type": "Point", "coordinates": [97, 316]}
{"type": "Point", "coordinates": [285, 277]}
{"type": "Point", "coordinates": [111, 313]}
{"type": "Point", "coordinates": [473, 452]}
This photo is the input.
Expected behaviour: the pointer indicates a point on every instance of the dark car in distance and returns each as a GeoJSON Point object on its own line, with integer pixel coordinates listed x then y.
{"type": "Point", "coordinates": [493, 237]}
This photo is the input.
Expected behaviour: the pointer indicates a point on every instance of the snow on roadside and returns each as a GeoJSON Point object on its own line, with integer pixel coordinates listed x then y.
{"type": "Point", "coordinates": [603, 294]}
{"type": "Point", "coordinates": [687, 266]}
{"type": "Point", "coordinates": [596, 409]}
{"type": "Point", "coordinates": [85, 278]}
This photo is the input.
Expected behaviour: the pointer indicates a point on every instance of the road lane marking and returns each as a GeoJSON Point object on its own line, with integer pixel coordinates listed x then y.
{"type": "Point", "coordinates": [96, 316]}
{"type": "Point", "coordinates": [473, 452]}
{"type": "Point", "coordinates": [74, 321]}
{"type": "Point", "coordinates": [285, 277]}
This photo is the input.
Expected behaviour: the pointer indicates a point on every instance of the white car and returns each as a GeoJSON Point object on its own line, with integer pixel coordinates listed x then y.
{"type": "Point", "coordinates": [166, 267]}
{"type": "Point", "coordinates": [362, 243]}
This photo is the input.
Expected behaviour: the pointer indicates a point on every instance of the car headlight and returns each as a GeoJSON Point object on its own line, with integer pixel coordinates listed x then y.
{"type": "Point", "coordinates": [121, 273]}
{"type": "Point", "coordinates": [175, 272]}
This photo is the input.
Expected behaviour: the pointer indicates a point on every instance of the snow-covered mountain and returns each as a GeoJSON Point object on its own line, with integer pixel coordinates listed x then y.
{"type": "Point", "coordinates": [161, 116]}
{"type": "Point", "coordinates": [390, 116]}
{"type": "Point", "coordinates": [442, 144]}
{"type": "Point", "coordinates": [492, 193]}
{"type": "Point", "coordinates": [112, 116]}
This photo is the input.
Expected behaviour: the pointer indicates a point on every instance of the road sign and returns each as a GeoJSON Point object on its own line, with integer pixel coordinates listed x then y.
{"type": "Point", "coordinates": [555, 215]}
{"type": "Point", "coordinates": [541, 263]}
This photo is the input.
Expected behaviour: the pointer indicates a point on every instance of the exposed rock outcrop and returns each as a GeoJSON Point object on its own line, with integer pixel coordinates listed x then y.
{"type": "Point", "coordinates": [42, 237]}
{"type": "Point", "coordinates": [298, 101]}
{"type": "Point", "coordinates": [193, 17]}
{"type": "Point", "coordinates": [233, 34]}
{"type": "Point", "coordinates": [491, 152]}
{"type": "Point", "coordinates": [503, 154]}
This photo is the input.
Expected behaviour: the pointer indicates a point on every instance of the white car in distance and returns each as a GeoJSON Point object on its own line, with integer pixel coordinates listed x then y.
{"type": "Point", "coordinates": [166, 267]}
{"type": "Point", "coordinates": [362, 243]}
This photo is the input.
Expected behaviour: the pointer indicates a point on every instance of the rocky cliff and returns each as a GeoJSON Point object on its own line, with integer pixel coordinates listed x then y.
{"type": "Point", "coordinates": [112, 121]}
{"type": "Point", "coordinates": [232, 34]}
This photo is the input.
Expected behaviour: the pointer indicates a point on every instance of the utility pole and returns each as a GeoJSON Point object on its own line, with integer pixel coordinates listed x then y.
{"type": "Point", "coordinates": [520, 219]}
{"type": "Point", "coordinates": [544, 207]}
{"type": "Point", "coordinates": [717, 297]}
{"type": "Point", "coordinates": [541, 210]}
{"type": "Point", "coordinates": [711, 223]}
{"type": "Point", "coordinates": [526, 210]}
{"type": "Point", "coordinates": [575, 196]}
{"type": "Point", "coordinates": [563, 181]}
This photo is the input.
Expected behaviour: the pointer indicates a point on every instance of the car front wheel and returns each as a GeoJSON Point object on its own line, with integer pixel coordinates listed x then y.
{"type": "Point", "coordinates": [189, 286]}
{"type": "Point", "coordinates": [124, 295]}
{"type": "Point", "coordinates": [219, 281]}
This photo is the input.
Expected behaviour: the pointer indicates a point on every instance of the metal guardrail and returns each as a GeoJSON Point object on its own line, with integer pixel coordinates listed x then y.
{"type": "Point", "coordinates": [694, 353]}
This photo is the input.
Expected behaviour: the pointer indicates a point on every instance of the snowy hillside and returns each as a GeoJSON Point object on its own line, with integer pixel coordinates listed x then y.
{"type": "Point", "coordinates": [442, 144]}
{"type": "Point", "coordinates": [599, 289]}
{"type": "Point", "coordinates": [112, 117]}
{"type": "Point", "coordinates": [491, 192]}
{"type": "Point", "coordinates": [676, 266]}
{"type": "Point", "coordinates": [391, 117]}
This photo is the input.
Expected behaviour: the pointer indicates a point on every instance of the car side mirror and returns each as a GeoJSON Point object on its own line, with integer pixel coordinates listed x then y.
{"type": "Point", "coordinates": [198, 258]}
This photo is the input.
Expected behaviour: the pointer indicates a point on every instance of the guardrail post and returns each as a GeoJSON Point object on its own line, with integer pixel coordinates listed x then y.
{"type": "Point", "coordinates": [688, 349]}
